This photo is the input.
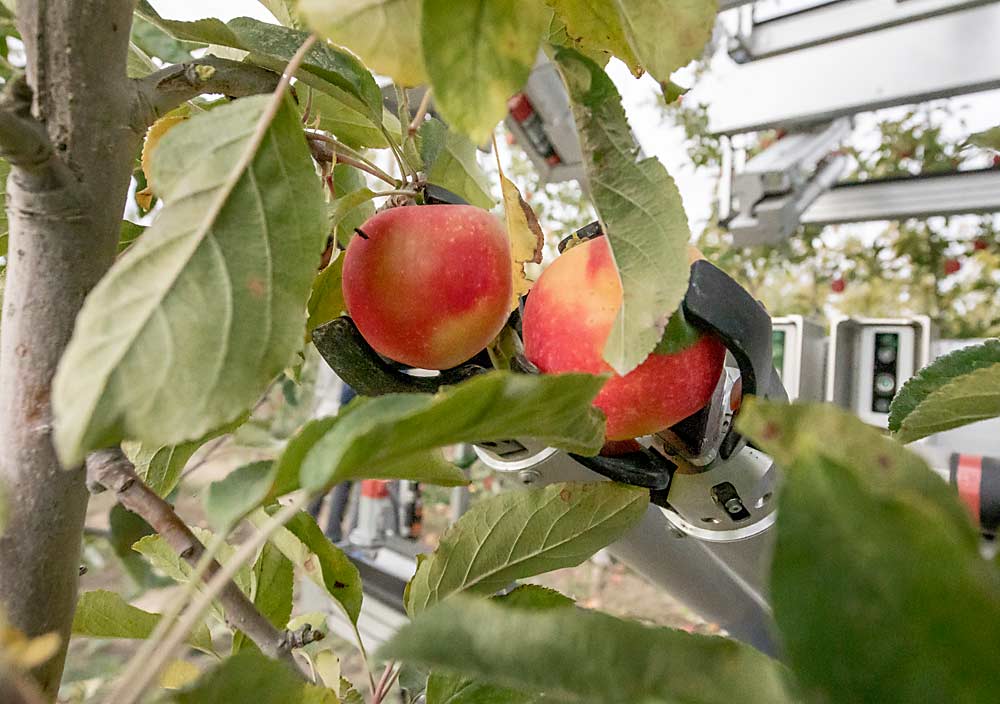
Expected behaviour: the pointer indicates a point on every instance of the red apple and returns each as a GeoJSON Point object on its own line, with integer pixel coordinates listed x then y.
{"type": "Point", "coordinates": [951, 266]}
{"type": "Point", "coordinates": [567, 319]}
{"type": "Point", "coordinates": [838, 285]}
{"type": "Point", "coordinates": [429, 286]}
{"type": "Point", "coordinates": [980, 244]}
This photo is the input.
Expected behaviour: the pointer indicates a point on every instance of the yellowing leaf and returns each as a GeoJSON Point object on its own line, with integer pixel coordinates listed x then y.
{"type": "Point", "coordinates": [327, 666]}
{"type": "Point", "coordinates": [523, 231]}
{"type": "Point", "coordinates": [526, 237]}
{"type": "Point", "coordinates": [153, 136]}
{"type": "Point", "coordinates": [179, 673]}
{"type": "Point", "coordinates": [23, 652]}
{"type": "Point", "coordinates": [384, 33]}
{"type": "Point", "coordinates": [596, 27]}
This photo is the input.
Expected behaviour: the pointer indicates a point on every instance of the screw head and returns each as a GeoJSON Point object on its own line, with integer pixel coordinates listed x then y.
{"type": "Point", "coordinates": [529, 476]}
{"type": "Point", "coordinates": [734, 505]}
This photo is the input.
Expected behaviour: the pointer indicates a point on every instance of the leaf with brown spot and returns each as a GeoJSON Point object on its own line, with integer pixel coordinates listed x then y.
{"type": "Point", "coordinates": [302, 542]}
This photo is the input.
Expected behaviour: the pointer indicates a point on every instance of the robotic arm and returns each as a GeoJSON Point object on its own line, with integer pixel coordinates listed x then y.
{"type": "Point", "coordinates": [707, 535]}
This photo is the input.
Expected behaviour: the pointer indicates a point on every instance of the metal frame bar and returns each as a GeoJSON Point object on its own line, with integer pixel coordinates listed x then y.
{"type": "Point", "coordinates": [913, 197]}
{"type": "Point", "coordinates": [839, 20]}
{"type": "Point", "coordinates": [958, 53]}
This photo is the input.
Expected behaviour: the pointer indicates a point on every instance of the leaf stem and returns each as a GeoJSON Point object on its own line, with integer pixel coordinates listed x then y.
{"type": "Point", "coordinates": [363, 166]}
{"type": "Point", "coordinates": [346, 155]}
{"type": "Point", "coordinates": [418, 118]}
{"type": "Point", "coordinates": [400, 159]}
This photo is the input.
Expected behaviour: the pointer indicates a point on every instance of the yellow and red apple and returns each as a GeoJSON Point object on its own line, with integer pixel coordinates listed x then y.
{"type": "Point", "coordinates": [567, 320]}
{"type": "Point", "coordinates": [429, 286]}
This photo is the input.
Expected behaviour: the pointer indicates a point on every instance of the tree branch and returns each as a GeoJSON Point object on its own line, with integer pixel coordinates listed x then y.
{"type": "Point", "coordinates": [111, 469]}
{"type": "Point", "coordinates": [161, 92]}
{"type": "Point", "coordinates": [24, 141]}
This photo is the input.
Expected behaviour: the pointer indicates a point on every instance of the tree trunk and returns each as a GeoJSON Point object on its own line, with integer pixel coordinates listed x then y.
{"type": "Point", "coordinates": [65, 198]}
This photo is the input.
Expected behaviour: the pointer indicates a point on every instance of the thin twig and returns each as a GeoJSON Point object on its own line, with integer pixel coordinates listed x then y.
{"type": "Point", "coordinates": [340, 150]}
{"type": "Point", "coordinates": [418, 119]}
{"type": "Point", "coordinates": [112, 469]}
{"type": "Point", "coordinates": [206, 454]}
{"type": "Point", "coordinates": [130, 691]}
{"type": "Point", "coordinates": [389, 676]}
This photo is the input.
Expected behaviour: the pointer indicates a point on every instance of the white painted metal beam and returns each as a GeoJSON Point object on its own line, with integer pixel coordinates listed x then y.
{"type": "Point", "coordinates": [937, 57]}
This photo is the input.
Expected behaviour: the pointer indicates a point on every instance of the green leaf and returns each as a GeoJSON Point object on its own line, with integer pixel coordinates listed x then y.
{"type": "Point", "coordinates": [353, 204]}
{"type": "Point", "coordinates": [104, 614]}
{"type": "Point", "coordinates": [153, 41]}
{"type": "Point", "coordinates": [384, 33]}
{"type": "Point", "coordinates": [586, 656]}
{"type": "Point", "coordinates": [533, 596]}
{"type": "Point", "coordinates": [455, 689]}
{"type": "Point", "coordinates": [348, 694]}
{"type": "Point", "coordinates": [284, 11]}
{"type": "Point", "coordinates": [275, 583]}
{"type": "Point", "coordinates": [238, 493]}
{"type": "Point", "coordinates": [954, 390]}
{"type": "Point", "coordinates": [232, 243]}
{"type": "Point", "coordinates": [987, 139]}
{"type": "Point", "coordinates": [302, 542]}
{"type": "Point", "coordinates": [341, 212]}
{"type": "Point", "coordinates": [288, 464]}
{"type": "Point", "coordinates": [250, 676]}
{"type": "Point", "coordinates": [355, 128]}
{"type": "Point", "coordinates": [666, 34]}
{"type": "Point", "coordinates": [377, 437]}
{"type": "Point", "coordinates": [161, 467]}
{"type": "Point", "coordinates": [155, 549]}
{"type": "Point", "coordinates": [124, 530]}
{"type": "Point", "coordinates": [790, 433]}
{"type": "Point", "coordinates": [138, 63]}
{"type": "Point", "coordinates": [272, 46]}
{"type": "Point", "coordinates": [523, 533]}
{"type": "Point", "coordinates": [640, 210]}
{"type": "Point", "coordinates": [130, 232]}
{"type": "Point", "coordinates": [478, 53]}
{"type": "Point", "coordinates": [889, 565]}
{"type": "Point", "coordinates": [450, 162]}
{"type": "Point", "coordinates": [326, 301]}
{"type": "Point", "coordinates": [678, 335]}
{"type": "Point", "coordinates": [443, 688]}
{"type": "Point", "coordinates": [882, 519]}
{"type": "Point", "coordinates": [594, 27]}
{"type": "Point", "coordinates": [206, 31]}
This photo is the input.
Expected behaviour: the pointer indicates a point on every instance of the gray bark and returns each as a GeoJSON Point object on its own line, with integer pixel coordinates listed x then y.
{"type": "Point", "coordinates": [65, 201]}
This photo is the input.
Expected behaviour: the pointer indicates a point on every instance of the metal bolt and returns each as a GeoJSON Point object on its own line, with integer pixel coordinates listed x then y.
{"type": "Point", "coordinates": [529, 476]}
{"type": "Point", "coordinates": [734, 505]}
